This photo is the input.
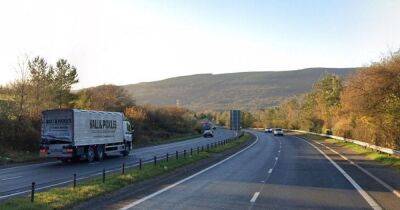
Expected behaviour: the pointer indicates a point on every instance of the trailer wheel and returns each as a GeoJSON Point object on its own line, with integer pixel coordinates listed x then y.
{"type": "Point", "coordinates": [100, 152]}
{"type": "Point", "coordinates": [90, 155]}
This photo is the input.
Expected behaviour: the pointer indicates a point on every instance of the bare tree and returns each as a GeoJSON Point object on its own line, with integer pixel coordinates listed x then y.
{"type": "Point", "coordinates": [20, 87]}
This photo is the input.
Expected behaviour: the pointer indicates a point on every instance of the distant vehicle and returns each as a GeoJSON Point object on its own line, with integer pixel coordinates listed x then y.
{"type": "Point", "coordinates": [208, 134]}
{"type": "Point", "coordinates": [214, 127]}
{"type": "Point", "coordinates": [72, 134]}
{"type": "Point", "coordinates": [278, 132]}
{"type": "Point", "coordinates": [268, 130]}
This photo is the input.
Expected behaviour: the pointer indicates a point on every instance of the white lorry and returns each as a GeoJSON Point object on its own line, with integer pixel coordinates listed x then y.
{"type": "Point", "coordinates": [73, 134]}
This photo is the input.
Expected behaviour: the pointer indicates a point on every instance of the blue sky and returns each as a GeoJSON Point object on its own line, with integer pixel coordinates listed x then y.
{"type": "Point", "coordinates": [124, 42]}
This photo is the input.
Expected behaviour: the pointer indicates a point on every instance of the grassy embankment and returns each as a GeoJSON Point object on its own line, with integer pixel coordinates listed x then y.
{"type": "Point", "coordinates": [11, 156]}
{"type": "Point", "coordinates": [386, 159]}
{"type": "Point", "coordinates": [66, 197]}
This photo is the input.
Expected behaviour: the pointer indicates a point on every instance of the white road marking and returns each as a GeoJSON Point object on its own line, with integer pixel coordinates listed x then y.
{"type": "Point", "coordinates": [30, 165]}
{"type": "Point", "coordinates": [276, 158]}
{"type": "Point", "coordinates": [9, 178]}
{"type": "Point", "coordinates": [387, 186]}
{"type": "Point", "coordinates": [270, 170]}
{"type": "Point", "coordinates": [359, 189]}
{"type": "Point", "coordinates": [255, 196]}
{"type": "Point", "coordinates": [279, 151]}
{"type": "Point", "coordinates": [185, 179]}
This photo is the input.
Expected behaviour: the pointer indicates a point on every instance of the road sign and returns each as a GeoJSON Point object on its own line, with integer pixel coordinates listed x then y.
{"type": "Point", "coordinates": [235, 120]}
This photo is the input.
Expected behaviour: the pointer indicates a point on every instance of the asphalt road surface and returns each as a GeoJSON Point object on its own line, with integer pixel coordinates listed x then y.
{"type": "Point", "coordinates": [17, 180]}
{"type": "Point", "coordinates": [274, 173]}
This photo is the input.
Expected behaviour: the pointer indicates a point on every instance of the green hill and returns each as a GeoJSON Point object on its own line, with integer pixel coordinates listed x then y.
{"type": "Point", "coordinates": [246, 90]}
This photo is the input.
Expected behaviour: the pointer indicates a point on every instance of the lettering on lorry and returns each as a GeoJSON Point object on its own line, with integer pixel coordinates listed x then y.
{"type": "Point", "coordinates": [103, 124]}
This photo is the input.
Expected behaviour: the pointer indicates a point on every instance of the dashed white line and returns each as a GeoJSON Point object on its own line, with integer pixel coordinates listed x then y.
{"type": "Point", "coordinates": [9, 178]}
{"type": "Point", "coordinates": [276, 158]}
{"type": "Point", "coordinates": [270, 170]}
{"type": "Point", "coordinates": [185, 179]}
{"type": "Point", "coordinates": [255, 196]}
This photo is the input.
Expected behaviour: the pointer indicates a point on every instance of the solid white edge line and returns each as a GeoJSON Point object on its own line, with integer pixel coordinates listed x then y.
{"type": "Point", "coordinates": [255, 196]}
{"type": "Point", "coordinates": [186, 179]}
{"type": "Point", "coordinates": [359, 189]}
{"type": "Point", "coordinates": [387, 186]}
{"type": "Point", "coordinates": [270, 170]}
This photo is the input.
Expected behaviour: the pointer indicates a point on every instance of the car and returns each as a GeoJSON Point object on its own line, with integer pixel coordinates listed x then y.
{"type": "Point", "coordinates": [278, 132]}
{"type": "Point", "coordinates": [268, 130]}
{"type": "Point", "coordinates": [208, 134]}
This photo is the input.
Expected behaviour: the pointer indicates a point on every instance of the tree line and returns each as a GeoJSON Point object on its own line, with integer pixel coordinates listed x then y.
{"type": "Point", "coordinates": [363, 106]}
{"type": "Point", "coordinates": [41, 86]}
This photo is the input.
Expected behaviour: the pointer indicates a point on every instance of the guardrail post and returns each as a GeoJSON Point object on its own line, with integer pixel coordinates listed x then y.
{"type": "Point", "coordinates": [74, 180]}
{"type": "Point", "coordinates": [167, 156]}
{"type": "Point", "coordinates": [177, 155]}
{"type": "Point", "coordinates": [198, 150]}
{"type": "Point", "coordinates": [208, 147]}
{"type": "Point", "coordinates": [155, 160]}
{"type": "Point", "coordinates": [104, 175]}
{"type": "Point", "coordinates": [33, 192]}
{"type": "Point", "coordinates": [202, 148]}
{"type": "Point", "coordinates": [184, 153]}
{"type": "Point", "coordinates": [123, 168]}
{"type": "Point", "coordinates": [191, 152]}
{"type": "Point", "coordinates": [140, 163]}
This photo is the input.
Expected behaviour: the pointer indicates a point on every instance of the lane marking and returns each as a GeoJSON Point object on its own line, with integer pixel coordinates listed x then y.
{"type": "Point", "coordinates": [359, 189]}
{"type": "Point", "coordinates": [187, 178]}
{"type": "Point", "coordinates": [270, 170]}
{"type": "Point", "coordinates": [387, 186]}
{"type": "Point", "coordinates": [9, 178]}
{"type": "Point", "coordinates": [276, 158]}
{"type": "Point", "coordinates": [30, 165]}
{"type": "Point", "coordinates": [255, 196]}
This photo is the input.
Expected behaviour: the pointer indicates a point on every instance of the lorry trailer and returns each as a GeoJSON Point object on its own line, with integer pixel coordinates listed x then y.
{"type": "Point", "coordinates": [73, 134]}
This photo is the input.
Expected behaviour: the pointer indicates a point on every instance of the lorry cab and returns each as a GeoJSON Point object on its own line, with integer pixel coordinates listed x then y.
{"type": "Point", "coordinates": [128, 133]}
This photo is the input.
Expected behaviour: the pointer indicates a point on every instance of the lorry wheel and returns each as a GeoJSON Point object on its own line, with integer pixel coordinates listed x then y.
{"type": "Point", "coordinates": [90, 155]}
{"type": "Point", "coordinates": [100, 153]}
{"type": "Point", "coordinates": [127, 150]}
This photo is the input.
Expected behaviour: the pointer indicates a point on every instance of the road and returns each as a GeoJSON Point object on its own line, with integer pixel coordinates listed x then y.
{"type": "Point", "coordinates": [273, 173]}
{"type": "Point", "coordinates": [17, 180]}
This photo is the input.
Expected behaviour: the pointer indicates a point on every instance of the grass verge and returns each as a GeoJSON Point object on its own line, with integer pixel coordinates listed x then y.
{"type": "Point", "coordinates": [10, 157]}
{"type": "Point", "coordinates": [66, 197]}
{"type": "Point", "coordinates": [383, 158]}
{"type": "Point", "coordinates": [170, 140]}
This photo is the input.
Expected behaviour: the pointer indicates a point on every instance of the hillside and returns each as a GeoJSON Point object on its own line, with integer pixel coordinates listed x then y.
{"type": "Point", "coordinates": [246, 90]}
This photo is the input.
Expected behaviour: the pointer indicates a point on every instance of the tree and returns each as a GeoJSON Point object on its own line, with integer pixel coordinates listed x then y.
{"type": "Point", "coordinates": [19, 88]}
{"type": "Point", "coordinates": [65, 76]}
{"type": "Point", "coordinates": [105, 97]}
{"type": "Point", "coordinates": [41, 78]}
